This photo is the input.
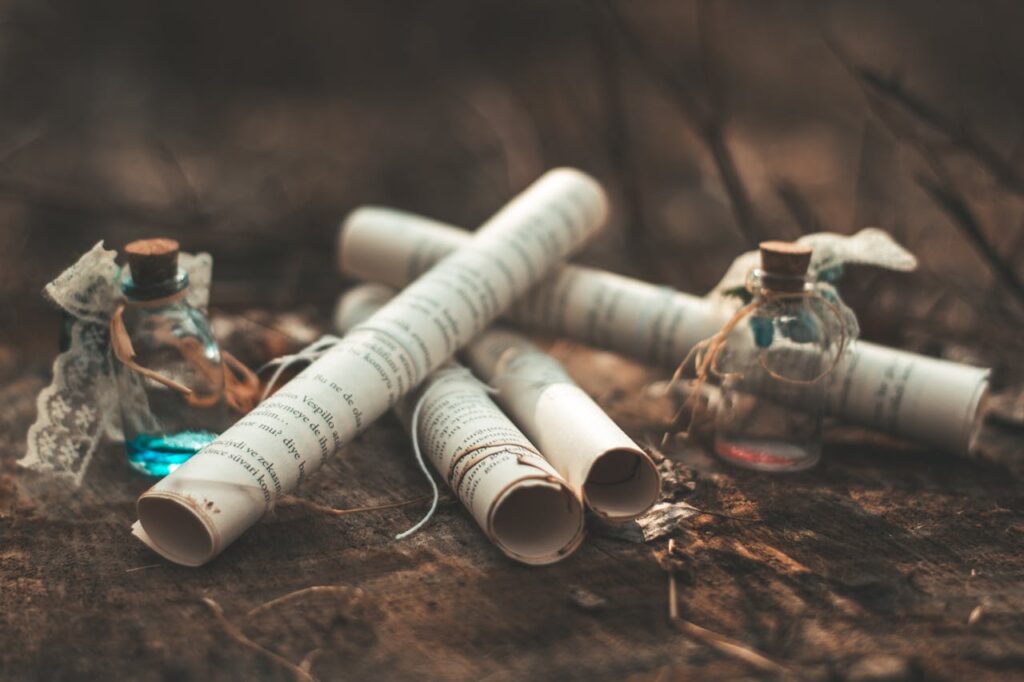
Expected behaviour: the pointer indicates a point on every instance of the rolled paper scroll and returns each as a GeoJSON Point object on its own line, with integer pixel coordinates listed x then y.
{"type": "Point", "coordinates": [613, 475]}
{"type": "Point", "coordinates": [515, 495]}
{"type": "Point", "coordinates": [512, 492]}
{"type": "Point", "coordinates": [616, 478]}
{"type": "Point", "coordinates": [913, 396]}
{"type": "Point", "coordinates": [194, 513]}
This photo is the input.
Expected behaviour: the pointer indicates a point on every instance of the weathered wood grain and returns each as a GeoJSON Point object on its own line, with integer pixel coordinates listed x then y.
{"type": "Point", "coordinates": [868, 567]}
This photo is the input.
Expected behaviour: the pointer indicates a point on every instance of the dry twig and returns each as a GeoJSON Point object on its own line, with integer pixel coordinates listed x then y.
{"type": "Point", "coordinates": [705, 120]}
{"type": "Point", "coordinates": [291, 596]}
{"type": "Point", "coordinates": [310, 659]}
{"type": "Point", "coordinates": [235, 633]}
{"type": "Point", "coordinates": [618, 136]}
{"type": "Point", "coordinates": [798, 207]}
{"type": "Point", "coordinates": [943, 191]}
{"type": "Point", "coordinates": [956, 132]}
{"type": "Point", "coordinates": [721, 643]}
{"type": "Point", "coordinates": [955, 206]}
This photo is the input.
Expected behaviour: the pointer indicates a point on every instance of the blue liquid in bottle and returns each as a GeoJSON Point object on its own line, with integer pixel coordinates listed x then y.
{"type": "Point", "coordinates": [161, 454]}
{"type": "Point", "coordinates": [164, 425]}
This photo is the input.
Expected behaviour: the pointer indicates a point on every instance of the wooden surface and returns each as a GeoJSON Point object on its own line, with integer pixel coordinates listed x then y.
{"type": "Point", "coordinates": [867, 567]}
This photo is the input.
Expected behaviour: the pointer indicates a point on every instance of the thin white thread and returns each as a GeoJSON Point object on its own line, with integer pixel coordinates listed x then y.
{"type": "Point", "coordinates": [324, 344]}
{"type": "Point", "coordinates": [441, 377]}
{"type": "Point", "coordinates": [312, 352]}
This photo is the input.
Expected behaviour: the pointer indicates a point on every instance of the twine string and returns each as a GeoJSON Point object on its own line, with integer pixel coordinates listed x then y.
{"type": "Point", "coordinates": [124, 351]}
{"type": "Point", "coordinates": [707, 353]}
{"type": "Point", "coordinates": [440, 378]}
{"type": "Point", "coordinates": [240, 384]}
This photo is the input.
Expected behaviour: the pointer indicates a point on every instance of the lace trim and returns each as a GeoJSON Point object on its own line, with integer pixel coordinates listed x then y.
{"type": "Point", "coordinates": [80, 407]}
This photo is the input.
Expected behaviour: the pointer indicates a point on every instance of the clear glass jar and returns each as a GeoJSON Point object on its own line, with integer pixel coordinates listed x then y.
{"type": "Point", "coordinates": [772, 403]}
{"type": "Point", "coordinates": [164, 426]}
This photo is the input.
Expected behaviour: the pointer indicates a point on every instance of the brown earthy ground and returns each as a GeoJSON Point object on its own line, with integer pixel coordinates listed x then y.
{"type": "Point", "coordinates": [868, 567]}
{"type": "Point", "coordinates": [249, 129]}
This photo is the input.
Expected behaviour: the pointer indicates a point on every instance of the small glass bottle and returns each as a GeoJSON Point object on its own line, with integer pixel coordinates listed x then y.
{"type": "Point", "coordinates": [168, 419]}
{"type": "Point", "coordinates": [772, 403]}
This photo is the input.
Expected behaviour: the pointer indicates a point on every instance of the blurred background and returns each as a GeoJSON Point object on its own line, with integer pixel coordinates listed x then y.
{"type": "Point", "coordinates": [249, 130]}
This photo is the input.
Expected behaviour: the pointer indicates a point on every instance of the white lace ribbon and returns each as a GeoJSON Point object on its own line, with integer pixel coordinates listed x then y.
{"type": "Point", "coordinates": [81, 404]}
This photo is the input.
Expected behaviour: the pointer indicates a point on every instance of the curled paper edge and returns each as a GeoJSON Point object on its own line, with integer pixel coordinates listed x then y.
{"type": "Point", "coordinates": [361, 302]}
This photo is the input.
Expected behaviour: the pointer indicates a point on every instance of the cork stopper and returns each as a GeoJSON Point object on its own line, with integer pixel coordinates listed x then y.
{"type": "Point", "coordinates": [152, 261]}
{"type": "Point", "coordinates": [784, 265]}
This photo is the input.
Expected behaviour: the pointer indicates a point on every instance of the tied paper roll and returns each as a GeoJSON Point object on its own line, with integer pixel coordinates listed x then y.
{"type": "Point", "coordinates": [516, 497]}
{"type": "Point", "coordinates": [615, 477]}
{"type": "Point", "coordinates": [610, 472]}
{"type": "Point", "coordinates": [913, 396]}
{"type": "Point", "coordinates": [194, 513]}
{"type": "Point", "coordinates": [513, 493]}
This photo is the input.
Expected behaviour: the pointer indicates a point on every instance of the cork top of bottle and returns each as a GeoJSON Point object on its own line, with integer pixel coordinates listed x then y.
{"type": "Point", "coordinates": [153, 264]}
{"type": "Point", "coordinates": [152, 261]}
{"type": "Point", "coordinates": [784, 264]}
